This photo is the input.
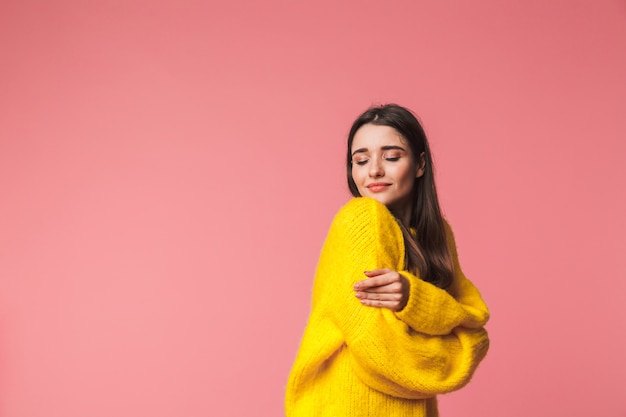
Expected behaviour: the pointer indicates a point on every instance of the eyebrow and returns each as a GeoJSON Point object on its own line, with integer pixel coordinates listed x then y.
{"type": "Point", "coordinates": [384, 148]}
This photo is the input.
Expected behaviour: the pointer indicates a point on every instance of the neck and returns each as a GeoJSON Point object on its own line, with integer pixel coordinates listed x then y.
{"type": "Point", "coordinates": [404, 216]}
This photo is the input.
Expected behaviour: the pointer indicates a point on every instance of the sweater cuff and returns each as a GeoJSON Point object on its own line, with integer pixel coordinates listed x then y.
{"type": "Point", "coordinates": [425, 310]}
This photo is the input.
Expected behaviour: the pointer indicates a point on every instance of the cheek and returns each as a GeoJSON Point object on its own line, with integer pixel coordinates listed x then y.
{"type": "Point", "coordinates": [357, 174]}
{"type": "Point", "coordinates": [407, 174]}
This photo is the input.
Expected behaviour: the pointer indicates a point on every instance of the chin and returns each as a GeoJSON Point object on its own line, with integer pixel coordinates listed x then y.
{"type": "Point", "coordinates": [380, 199]}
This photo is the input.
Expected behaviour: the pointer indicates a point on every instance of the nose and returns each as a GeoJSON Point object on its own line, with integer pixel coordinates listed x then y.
{"type": "Point", "coordinates": [376, 168]}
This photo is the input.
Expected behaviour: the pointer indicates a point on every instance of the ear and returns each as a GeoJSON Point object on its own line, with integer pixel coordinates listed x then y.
{"type": "Point", "coordinates": [421, 165]}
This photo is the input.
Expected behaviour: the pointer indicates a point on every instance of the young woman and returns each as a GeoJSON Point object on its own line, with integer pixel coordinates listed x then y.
{"type": "Point", "coordinates": [394, 321]}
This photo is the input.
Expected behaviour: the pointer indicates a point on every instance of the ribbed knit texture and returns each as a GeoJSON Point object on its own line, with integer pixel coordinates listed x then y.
{"type": "Point", "coordinates": [356, 360]}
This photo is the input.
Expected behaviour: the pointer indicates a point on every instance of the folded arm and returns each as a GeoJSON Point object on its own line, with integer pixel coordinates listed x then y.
{"type": "Point", "coordinates": [397, 355]}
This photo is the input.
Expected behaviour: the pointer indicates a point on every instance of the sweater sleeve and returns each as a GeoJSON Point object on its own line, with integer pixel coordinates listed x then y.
{"type": "Point", "coordinates": [435, 311]}
{"type": "Point", "coordinates": [385, 352]}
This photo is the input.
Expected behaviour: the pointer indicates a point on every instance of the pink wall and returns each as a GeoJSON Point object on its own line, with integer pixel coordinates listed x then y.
{"type": "Point", "coordinates": [168, 171]}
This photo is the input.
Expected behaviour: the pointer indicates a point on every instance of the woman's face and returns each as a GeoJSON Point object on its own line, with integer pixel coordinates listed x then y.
{"type": "Point", "coordinates": [384, 169]}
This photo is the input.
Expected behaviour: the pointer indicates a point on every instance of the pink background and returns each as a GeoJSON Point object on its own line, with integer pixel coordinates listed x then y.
{"type": "Point", "coordinates": [169, 169]}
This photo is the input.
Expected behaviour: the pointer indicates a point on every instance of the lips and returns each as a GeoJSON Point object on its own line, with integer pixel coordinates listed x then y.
{"type": "Point", "coordinates": [377, 187]}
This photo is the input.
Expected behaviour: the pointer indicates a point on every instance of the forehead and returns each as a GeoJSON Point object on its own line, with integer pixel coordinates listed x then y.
{"type": "Point", "coordinates": [374, 136]}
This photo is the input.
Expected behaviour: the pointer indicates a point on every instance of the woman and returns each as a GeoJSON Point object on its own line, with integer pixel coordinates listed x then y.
{"type": "Point", "coordinates": [394, 321]}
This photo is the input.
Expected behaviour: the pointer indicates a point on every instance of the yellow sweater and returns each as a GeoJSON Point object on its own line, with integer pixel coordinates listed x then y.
{"type": "Point", "coordinates": [356, 360]}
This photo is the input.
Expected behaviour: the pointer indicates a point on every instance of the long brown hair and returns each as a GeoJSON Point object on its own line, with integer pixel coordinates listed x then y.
{"type": "Point", "coordinates": [428, 254]}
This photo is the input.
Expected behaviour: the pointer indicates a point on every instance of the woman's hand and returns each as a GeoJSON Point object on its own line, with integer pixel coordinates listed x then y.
{"type": "Point", "coordinates": [384, 288]}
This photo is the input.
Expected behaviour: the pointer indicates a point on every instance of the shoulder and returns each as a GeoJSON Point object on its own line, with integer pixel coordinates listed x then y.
{"type": "Point", "coordinates": [361, 211]}
{"type": "Point", "coordinates": [365, 216]}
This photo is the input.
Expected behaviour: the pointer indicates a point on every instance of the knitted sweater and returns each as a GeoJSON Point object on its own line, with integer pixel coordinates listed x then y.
{"type": "Point", "coordinates": [356, 360]}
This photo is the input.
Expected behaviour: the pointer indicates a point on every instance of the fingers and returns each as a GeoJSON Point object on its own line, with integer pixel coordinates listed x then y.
{"type": "Point", "coordinates": [377, 278]}
{"type": "Point", "coordinates": [394, 302]}
{"type": "Point", "coordinates": [388, 296]}
{"type": "Point", "coordinates": [376, 272]}
{"type": "Point", "coordinates": [394, 286]}
{"type": "Point", "coordinates": [384, 289]}
{"type": "Point", "coordinates": [391, 305]}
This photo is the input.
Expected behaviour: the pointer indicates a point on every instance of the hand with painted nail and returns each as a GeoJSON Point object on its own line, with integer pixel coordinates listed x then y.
{"type": "Point", "coordinates": [383, 288]}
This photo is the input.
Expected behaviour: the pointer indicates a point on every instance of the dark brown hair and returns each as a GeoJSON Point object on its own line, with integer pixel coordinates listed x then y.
{"type": "Point", "coordinates": [426, 255]}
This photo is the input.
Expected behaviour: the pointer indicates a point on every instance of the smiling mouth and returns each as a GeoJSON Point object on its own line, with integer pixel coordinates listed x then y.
{"type": "Point", "coordinates": [378, 187]}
